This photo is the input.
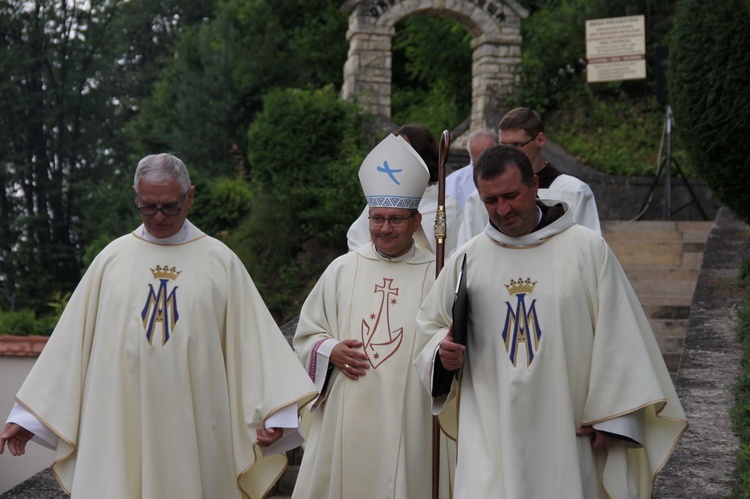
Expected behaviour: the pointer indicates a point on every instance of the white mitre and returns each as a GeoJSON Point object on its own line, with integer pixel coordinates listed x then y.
{"type": "Point", "coordinates": [393, 175]}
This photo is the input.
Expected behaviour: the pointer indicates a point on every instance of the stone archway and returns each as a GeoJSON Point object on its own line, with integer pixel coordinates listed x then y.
{"type": "Point", "coordinates": [495, 27]}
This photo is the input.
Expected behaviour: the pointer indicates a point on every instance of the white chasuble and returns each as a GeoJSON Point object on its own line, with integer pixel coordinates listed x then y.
{"type": "Point", "coordinates": [557, 339]}
{"type": "Point", "coordinates": [162, 367]}
{"type": "Point", "coordinates": [369, 438]}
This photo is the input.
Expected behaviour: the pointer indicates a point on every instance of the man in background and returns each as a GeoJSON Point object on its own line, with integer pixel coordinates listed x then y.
{"type": "Point", "coordinates": [460, 184]}
{"type": "Point", "coordinates": [524, 128]}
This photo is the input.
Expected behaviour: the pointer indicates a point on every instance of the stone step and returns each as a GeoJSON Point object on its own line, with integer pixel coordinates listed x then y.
{"type": "Point", "coordinates": [682, 226]}
{"type": "Point", "coordinates": [677, 242]}
{"type": "Point", "coordinates": [673, 312]}
{"type": "Point", "coordinates": [672, 360]}
{"type": "Point", "coordinates": [644, 253]}
{"type": "Point", "coordinates": [663, 288]}
{"type": "Point", "coordinates": [665, 300]}
{"type": "Point", "coordinates": [667, 331]}
{"type": "Point", "coordinates": [614, 236]}
{"type": "Point", "coordinates": [662, 260]}
{"type": "Point", "coordinates": [653, 273]}
{"type": "Point", "coordinates": [629, 232]}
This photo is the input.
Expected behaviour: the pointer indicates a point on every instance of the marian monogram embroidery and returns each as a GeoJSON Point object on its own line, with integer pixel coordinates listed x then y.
{"type": "Point", "coordinates": [521, 329]}
{"type": "Point", "coordinates": [380, 341]}
{"type": "Point", "coordinates": [161, 305]}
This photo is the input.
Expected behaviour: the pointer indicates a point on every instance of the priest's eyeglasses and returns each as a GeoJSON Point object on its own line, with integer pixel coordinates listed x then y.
{"type": "Point", "coordinates": [520, 144]}
{"type": "Point", "coordinates": [378, 221]}
{"type": "Point", "coordinates": [168, 211]}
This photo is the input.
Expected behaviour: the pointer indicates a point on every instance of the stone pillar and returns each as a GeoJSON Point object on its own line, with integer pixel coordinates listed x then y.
{"type": "Point", "coordinates": [367, 72]}
{"type": "Point", "coordinates": [496, 58]}
{"type": "Point", "coordinates": [495, 26]}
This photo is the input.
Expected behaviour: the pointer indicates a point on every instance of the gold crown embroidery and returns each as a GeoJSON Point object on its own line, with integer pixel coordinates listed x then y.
{"type": "Point", "coordinates": [166, 272]}
{"type": "Point", "coordinates": [520, 286]}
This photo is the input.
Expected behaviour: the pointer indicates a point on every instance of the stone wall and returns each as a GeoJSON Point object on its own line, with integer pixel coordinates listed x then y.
{"type": "Point", "coordinates": [495, 27]}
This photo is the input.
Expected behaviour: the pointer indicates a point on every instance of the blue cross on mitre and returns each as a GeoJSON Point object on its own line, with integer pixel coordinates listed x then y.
{"type": "Point", "coordinates": [387, 169]}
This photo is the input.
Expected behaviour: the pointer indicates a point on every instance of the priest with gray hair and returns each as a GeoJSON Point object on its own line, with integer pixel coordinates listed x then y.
{"type": "Point", "coordinates": [166, 375]}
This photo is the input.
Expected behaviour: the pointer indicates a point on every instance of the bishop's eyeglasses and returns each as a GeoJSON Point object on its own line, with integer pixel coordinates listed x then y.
{"type": "Point", "coordinates": [151, 210]}
{"type": "Point", "coordinates": [378, 221]}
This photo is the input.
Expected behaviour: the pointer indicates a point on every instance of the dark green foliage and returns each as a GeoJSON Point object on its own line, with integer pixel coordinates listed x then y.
{"type": "Point", "coordinates": [24, 322]}
{"type": "Point", "coordinates": [424, 91]}
{"type": "Point", "coordinates": [71, 74]}
{"type": "Point", "coordinates": [553, 55]}
{"type": "Point", "coordinates": [615, 127]}
{"type": "Point", "coordinates": [220, 204]}
{"type": "Point", "coordinates": [53, 121]}
{"type": "Point", "coordinates": [616, 136]}
{"type": "Point", "coordinates": [213, 87]}
{"type": "Point", "coordinates": [192, 111]}
{"type": "Point", "coordinates": [554, 50]}
{"type": "Point", "coordinates": [708, 73]}
{"type": "Point", "coordinates": [305, 151]}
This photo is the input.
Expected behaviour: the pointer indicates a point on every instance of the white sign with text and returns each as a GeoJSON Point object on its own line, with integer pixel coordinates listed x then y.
{"type": "Point", "coordinates": [616, 49]}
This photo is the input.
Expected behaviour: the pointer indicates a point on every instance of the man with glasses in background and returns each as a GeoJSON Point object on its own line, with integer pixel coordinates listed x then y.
{"type": "Point", "coordinates": [524, 128]}
{"type": "Point", "coordinates": [370, 433]}
{"type": "Point", "coordinates": [166, 375]}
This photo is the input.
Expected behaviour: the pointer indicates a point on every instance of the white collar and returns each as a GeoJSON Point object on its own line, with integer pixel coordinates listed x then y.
{"type": "Point", "coordinates": [397, 259]}
{"type": "Point", "coordinates": [186, 233]}
{"type": "Point", "coordinates": [538, 236]}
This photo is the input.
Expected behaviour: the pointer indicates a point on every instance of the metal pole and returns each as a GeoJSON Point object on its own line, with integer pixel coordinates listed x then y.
{"type": "Point", "coordinates": [440, 233]}
{"type": "Point", "coordinates": [667, 212]}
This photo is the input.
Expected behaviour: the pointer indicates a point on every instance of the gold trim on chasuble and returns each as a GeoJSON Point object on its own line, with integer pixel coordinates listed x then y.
{"type": "Point", "coordinates": [161, 306]}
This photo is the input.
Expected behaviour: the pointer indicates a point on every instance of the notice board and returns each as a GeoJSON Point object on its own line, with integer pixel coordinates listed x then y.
{"type": "Point", "coordinates": [616, 49]}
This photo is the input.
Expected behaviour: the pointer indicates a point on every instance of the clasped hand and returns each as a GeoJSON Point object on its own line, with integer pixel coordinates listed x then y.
{"type": "Point", "coordinates": [349, 358]}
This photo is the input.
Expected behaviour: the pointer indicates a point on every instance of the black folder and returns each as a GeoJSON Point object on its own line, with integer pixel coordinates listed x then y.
{"type": "Point", "coordinates": [442, 379]}
{"type": "Point", "coordinates": [461, 307]}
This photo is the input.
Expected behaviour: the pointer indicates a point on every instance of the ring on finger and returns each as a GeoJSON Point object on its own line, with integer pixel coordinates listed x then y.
{"type": "Point", "coordinates": [346, 366]}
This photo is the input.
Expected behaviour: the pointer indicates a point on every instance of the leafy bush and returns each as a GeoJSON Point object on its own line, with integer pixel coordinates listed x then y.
{"type": "Point", "coordinates": [423, 90]}
{"type": "Point", "coordinates": [220, 204]}
{"type": "Point", "coordinates": [553, 57]}
{"type": "Point", "coordinates": [24, 322]}
{"type": "Point", "coordinates": [305, 151]}
{"type": "Point", "coordinates": [617, 136]}
{"type": "Point", "coordinates": [708, 67]}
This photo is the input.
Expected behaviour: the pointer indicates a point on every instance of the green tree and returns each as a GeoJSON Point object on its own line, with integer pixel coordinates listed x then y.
{"type": "Point", "coordinates": [431, 73]}
{"type": "Point", "coordinates": [71, 74]}
{"type": "Point", "coordinates": [553, 66]}
{"type": "Point", "coordinates": [213, 88]}
{"type": "Point", "coordinates": [305, 151]}
{"type": "Point", "coordinates": [51, 125]}
{"type": "Point", "coordinates": [220, 204]}
{"type": "Point", "coordinates": [708, 67]}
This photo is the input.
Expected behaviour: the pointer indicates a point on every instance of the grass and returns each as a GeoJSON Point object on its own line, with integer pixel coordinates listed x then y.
{"type": "Point", "coordinates": [617, 135]}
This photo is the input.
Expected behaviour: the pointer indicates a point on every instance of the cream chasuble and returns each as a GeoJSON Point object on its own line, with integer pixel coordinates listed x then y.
{"type": "Point", "coordinates": [557, 339]}
{"type": "Point", "coordinates": [370, 438]}
{"type": "Point", "coordinates": [162, 367]}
